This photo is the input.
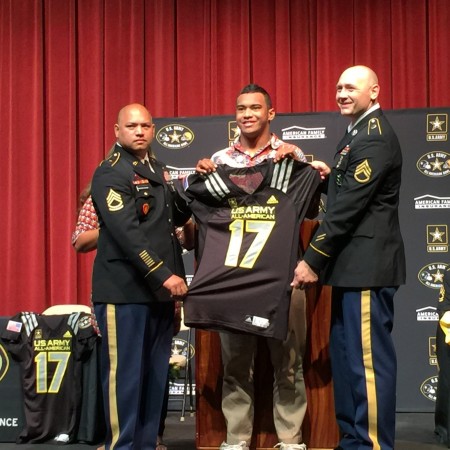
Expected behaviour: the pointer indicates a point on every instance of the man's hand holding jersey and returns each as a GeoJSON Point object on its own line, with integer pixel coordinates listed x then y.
{"type": "Point", "coordinates": [304, 275]}
{"type": "Point", "coordinates": [176, 286]}
{"type": "Point", "coordinates": [323, 169]}
{"type": "Point", "coordinates": [205, 166]}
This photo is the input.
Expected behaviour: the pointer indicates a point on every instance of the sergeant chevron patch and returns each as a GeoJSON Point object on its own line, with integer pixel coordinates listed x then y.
{"type": "Point", "coordinates": [363, 172]}
{"type": "Point", "coordinates": [114, 201]}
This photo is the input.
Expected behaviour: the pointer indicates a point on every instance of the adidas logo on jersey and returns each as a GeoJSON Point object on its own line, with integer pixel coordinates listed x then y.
{"type": "Point", "coordinates": [256, 321]}
{"type": "Point", "coordinates": [272, 200]}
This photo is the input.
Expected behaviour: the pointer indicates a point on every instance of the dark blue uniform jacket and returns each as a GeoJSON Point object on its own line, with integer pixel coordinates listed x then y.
{"type": "Point", "coordinates": [359, 243]}
{"type": "Point", "coordinates": [137, 247]}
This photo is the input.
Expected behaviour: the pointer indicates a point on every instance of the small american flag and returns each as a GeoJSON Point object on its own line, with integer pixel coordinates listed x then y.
{"type": "Point", "coordinates": [14, 326]}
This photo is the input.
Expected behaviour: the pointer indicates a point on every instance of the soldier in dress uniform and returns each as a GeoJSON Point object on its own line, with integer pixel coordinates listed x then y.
{"type": "Point", "coordinates": [138, 274]}
{"type": "Point", "coordinates": [359, 250]}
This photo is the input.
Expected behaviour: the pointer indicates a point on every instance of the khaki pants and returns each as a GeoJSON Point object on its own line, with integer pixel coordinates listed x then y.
{"type": "Point", "coordinates": [289, 394]}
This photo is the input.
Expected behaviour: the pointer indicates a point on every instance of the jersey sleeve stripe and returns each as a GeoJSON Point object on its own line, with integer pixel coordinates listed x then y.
{"type": "Point", "coordinates": [281, 175]}
{"type": "Point", "coordinates": [72, 321]}
{"type": "Point", "coordinates": [216, 186]}
{"type": "Point", "coordinates": [30, 322]}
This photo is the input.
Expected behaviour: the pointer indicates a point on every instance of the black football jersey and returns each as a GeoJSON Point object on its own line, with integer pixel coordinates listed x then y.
{"type": "Point", "coordinates": [50, 351]}
{"type": "Point", "coordinates": [249, 220]}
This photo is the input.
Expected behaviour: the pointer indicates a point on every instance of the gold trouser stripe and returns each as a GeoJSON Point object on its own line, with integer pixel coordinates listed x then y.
{"type": "Point", "coordinates": [112, 350]}
{"type": "Point", "coordinates": [369, 370]}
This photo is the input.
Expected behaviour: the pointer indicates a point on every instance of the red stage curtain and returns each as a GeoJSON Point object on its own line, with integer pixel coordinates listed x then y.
{"type": "Point", "coordinates": [67, 66]}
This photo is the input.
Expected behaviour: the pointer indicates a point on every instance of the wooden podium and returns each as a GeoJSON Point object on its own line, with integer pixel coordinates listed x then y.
{"type": "Point", "coordinates": [320, 430]}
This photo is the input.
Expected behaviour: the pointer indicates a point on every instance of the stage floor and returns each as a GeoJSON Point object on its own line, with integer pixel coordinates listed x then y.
{"type": "Point", "coordinates": [414, 432]}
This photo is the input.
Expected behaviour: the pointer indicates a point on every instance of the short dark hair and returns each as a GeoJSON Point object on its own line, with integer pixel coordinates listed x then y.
{"type": "Point", "coordinates": [252, 88]}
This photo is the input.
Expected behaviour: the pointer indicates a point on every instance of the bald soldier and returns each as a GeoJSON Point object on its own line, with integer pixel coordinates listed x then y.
{"type": "Point", "coordinates": [138, 273]}
{"type": "Point", "coordinates": [358, 250]}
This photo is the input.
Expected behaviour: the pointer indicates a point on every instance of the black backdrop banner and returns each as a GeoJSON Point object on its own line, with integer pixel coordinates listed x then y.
{"type": "Point", "coordinates": [424, 215]}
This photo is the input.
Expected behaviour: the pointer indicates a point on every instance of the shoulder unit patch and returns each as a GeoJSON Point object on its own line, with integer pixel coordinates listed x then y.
{"type": "Point", "coordinates": [374, 127]}
{"type": "Point", "coordinates": [112, 160]}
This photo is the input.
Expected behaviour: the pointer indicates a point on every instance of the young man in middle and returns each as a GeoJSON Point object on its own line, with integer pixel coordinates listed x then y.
{"type": "Point", "coordinates": [255, 145]}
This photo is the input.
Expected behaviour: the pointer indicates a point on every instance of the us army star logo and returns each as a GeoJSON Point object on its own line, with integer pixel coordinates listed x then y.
{"type": "Point", "coordinates": [436, 124]}
{"type": "Point", "coordinates": [432, 346]}
{"type": "Point", "coordinates": [437, 235]}
{"type": "Point", "coordinates": [363, 172]}
{"type": "Point", "coordinates": [175, 137]}
{"type": "Point", "coordinates": [432, 275]}
{"type": "Point", "coordinates": [438, 277]}
{"type": "Point", "coordinates": [437, 165]}
{"type": "Point", "coordinates": [437, 127]}
{"type": "Point", "coordinates": [437, 240]}
{"type": "Point", "coordinates": [114, 201]}
{"type": "Point", "coordinates": [233, 131]}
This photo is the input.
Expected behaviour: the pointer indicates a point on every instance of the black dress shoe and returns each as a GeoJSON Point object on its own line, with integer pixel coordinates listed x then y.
{"type": "Point", "coordinates": [339, 448]}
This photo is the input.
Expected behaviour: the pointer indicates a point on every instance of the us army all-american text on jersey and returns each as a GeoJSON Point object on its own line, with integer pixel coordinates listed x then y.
{"type": "Point", "coordinates": [249, 220]}
{"type": "Point", "coordinates": [49, 350]}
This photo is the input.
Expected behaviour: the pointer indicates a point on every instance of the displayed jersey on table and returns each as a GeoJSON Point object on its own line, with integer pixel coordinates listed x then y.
{"type": "Point", "coordinates": [50, 351]}
{"type": "Point", "coordinates": [249, 220]}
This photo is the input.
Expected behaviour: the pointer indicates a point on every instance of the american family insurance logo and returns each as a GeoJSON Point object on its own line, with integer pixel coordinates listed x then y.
{"type": "Point", "coordinates": [427, 314]}
{"type": "Point", "coordinates": [179, 172]}
{"type": "Point", "coordinates": [296, 133]}
{"type": "Point", "coordinates": [428, 201]}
